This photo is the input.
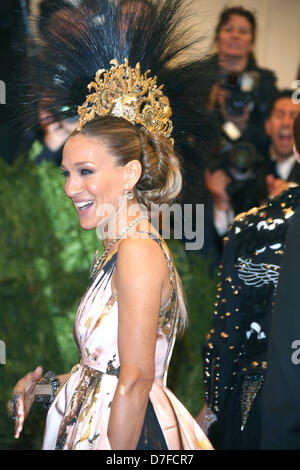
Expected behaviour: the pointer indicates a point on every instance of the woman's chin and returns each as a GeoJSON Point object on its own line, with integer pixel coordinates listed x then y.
{"type": "Point", "coordinates": [86, 225]}
{"type": "Point", "coordinates": [233, 53]}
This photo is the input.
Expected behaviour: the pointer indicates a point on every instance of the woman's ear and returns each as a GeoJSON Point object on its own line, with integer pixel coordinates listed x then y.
{"type": "Point", "coordinates": [132, 174]}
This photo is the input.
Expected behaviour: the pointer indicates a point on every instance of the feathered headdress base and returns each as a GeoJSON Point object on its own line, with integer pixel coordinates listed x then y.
{"type": "Point", "coordinates": [124, 92]}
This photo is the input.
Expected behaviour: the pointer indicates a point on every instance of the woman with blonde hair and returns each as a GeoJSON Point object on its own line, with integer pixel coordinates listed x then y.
{"type": "Point", "coordinates": [119, 161]}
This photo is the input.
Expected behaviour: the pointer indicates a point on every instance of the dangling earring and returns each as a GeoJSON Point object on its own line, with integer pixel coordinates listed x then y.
{"type": "Point", "coordinates": [129, 195]}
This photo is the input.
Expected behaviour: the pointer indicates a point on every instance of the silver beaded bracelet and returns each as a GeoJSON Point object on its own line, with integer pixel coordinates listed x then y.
{"type": "Point", "coordinates": [12, 406]}
{"type": "Point", "coordinates": [46, 399]}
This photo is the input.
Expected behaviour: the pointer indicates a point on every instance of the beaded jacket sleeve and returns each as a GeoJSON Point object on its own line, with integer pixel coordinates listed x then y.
{"type": "Point", "coordinates": [236, 346]}
{"type": "Point", "coordinates": [224, 340]}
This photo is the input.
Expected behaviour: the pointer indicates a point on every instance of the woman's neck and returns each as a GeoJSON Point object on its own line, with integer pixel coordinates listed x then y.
{"type": "Point", "coordinates": [119, 222]}
{"type": "Point", "coordinates": [233, 64]}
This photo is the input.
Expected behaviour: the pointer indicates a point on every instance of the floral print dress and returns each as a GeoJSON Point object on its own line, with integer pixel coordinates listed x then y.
{"type": "Point", "coordinates": [78, 418]}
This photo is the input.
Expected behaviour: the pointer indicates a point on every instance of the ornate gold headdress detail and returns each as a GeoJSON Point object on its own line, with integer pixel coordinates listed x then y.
{"type": "Point", "coordinates": [124, 92]}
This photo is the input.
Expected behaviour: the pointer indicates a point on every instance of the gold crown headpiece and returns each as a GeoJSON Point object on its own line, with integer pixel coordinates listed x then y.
{"type": "Point", "coordinates": [124, 92]}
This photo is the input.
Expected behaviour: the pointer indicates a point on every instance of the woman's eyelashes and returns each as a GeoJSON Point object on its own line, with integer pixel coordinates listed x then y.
{"type": "Point", "coordinates": [85, 171]}
{"type": "Point", "coordinates": [82, 172]}
{"type": "Point", "coordinates": [229, 29]}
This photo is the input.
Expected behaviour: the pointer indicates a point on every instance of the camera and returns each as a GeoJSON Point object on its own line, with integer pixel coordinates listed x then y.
{"type": "Point", "coordinates": [237, 157]}
{"type": "Point", "coordinates": [242, 91]}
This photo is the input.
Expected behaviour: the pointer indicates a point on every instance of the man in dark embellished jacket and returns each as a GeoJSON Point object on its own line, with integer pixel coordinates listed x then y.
{"type": "Point", "coordinates": [280, 396]}
{"type": "Point", "coordinates": [235, 353]}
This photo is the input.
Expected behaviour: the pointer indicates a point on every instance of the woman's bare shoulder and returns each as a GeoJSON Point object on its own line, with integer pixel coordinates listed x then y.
{"type": "Point", "coordinates": [140, 251]}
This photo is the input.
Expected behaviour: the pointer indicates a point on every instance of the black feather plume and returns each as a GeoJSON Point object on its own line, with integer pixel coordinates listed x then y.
{"type": "Point", "coordinates": [85, 36]}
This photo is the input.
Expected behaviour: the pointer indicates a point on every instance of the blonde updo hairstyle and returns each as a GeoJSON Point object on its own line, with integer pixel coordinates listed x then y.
{"type": "Point", "coordinates": [160, 181]}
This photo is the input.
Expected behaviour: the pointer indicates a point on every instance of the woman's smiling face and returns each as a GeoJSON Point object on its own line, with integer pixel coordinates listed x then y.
{"type": "Point", "coordinates": [235, 38]}
{"type": "Point", "coordinates": [92, 180]}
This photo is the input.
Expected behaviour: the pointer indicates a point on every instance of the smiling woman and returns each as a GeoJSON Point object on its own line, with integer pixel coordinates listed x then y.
{"type": "Point", "coordinates": [119, 157]}
{"type": "Point", "coordinates": [134, 299]}
{"type": "Point", "coordinates": [92, 184]}
{"type": "Point", "coordinates": [118, 162]}
{"type": "Point", "coordinates": [235, 37]}
{"type": "Point", "coordinates": [244, 91]}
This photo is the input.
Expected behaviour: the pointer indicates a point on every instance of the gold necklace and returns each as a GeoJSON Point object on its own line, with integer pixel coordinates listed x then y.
{"type": "Point", "coordinates": [98, 262]}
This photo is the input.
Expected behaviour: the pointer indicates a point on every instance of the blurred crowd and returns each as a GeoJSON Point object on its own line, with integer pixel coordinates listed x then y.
{"type": "Point", "coordinates": [252, 200]}
{"type": "Point", "coordinates": [253, 159]}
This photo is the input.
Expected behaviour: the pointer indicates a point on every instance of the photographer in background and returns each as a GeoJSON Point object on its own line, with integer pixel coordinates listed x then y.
{"type": "Point", "coordinates": [244, 91]}
{"type": "Point", "coordinates": [240, 100]}
{"type": "Point", "coordinates": [46, 143]}
{"type": "Point", "coordinates": [252, 392]}
{"type": "Point", "coordinates": [229, 193]}
{"type": "Point", "coordinates": [55, 134]}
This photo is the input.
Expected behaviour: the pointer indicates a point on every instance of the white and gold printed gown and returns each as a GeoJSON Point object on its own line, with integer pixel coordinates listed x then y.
{"type": "Point", "coordinates": [78, 418]}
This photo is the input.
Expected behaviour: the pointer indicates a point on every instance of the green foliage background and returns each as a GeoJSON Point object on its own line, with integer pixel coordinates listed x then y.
{"type": "Point", "coordinates": [44, 262]}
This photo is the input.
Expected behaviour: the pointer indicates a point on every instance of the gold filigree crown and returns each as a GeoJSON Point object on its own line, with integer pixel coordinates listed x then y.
{"type": "Point", "coordinates": [124, 92]}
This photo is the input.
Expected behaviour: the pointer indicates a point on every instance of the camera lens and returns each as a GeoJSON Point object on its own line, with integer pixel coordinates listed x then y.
{"type": "Point", "coordinates": [242, 156]}
{"type": "Point", "coordinates": [236, 103]}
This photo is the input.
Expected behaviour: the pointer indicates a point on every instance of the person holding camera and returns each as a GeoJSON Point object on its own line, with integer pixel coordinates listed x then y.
{"type": "Point", "coordinates": [45, 143]}
{"type": "Point", "coordinates": [240, 100]}
{"type": "Point", "coordinates": [244, 91]}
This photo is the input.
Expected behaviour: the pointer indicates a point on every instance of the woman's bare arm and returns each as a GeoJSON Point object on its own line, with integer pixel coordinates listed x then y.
{"type": "Point", "coordinates": [141, 280]}
{"type": "Point", "coordinates": [26, 389]}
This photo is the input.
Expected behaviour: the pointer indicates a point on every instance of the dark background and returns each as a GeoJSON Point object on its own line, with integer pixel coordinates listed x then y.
{"type": "Point", "coordinates": [12, 30]}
